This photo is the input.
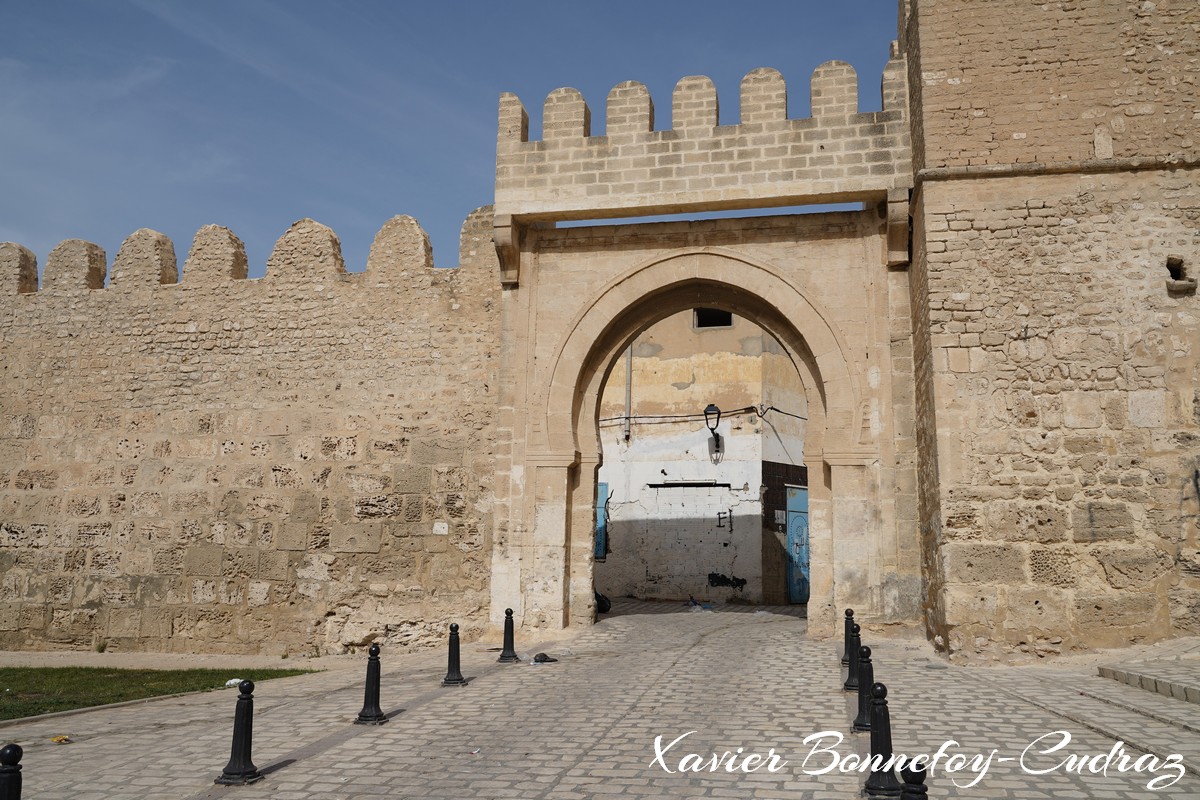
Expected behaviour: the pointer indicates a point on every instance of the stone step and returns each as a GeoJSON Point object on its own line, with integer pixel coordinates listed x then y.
{"type": "Point", "coordinates": [1117, 711]}
{"type": "Point", "coordinates": [1176, 678]}
{"type": "Point", "coordinates": [1169, 710]}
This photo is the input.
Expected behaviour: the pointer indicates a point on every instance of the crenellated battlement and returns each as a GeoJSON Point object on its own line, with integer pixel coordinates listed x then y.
{"type": "Point", "coordinates": [308, 252]}
{"type": "Point", "coordinates": [838, 154]}
{"type": "Point", "coordinates": [183, 444]}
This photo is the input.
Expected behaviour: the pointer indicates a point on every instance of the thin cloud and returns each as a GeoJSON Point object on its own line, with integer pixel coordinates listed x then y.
{"type": "Point", "coordinates": [209, 166]}
{"type": "Point", "coordinates": [303, 58]}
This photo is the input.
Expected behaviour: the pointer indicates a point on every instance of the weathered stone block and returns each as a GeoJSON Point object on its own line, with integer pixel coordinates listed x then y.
{"type": "Point", "coordinates": [379, 506]}
{"type": "Point", "coordinates": [454, 506]}
{"type": "Point", "coordinates": [168, 561]}
{"type": "Point", "coordinates": [75, 559]}
{"type": "Point", "coordinates": [1097, 520]}
{"type": "Point", "coordinates": [239, 562]}
{"type": "Point", "coordinates": [305, 508]}
{"type": "Point", "coordinates": [1024, 521]}
{"type": "Point", "coordinates": [357, 538]}
{"type": "Point", "coordinates": [273, 565]}
{"type": "Point", "coordinates": [189, 502]}
{"type": "Point", "coordinates": [1034, 612]}
{"type": "Point", "coordinates": [93, 534]}
{"type": "Point", "coordinates": [339, 448]}
{"type": "Point", "coordinates": [13, 535]}
{"type": "Point", "coordinates": [1126, 610]}
{"type": "Point", "coordinates": [18, 269]}
{"type": "Point", "coordinates": [265, 506]}
{"type": "Point", "coordinates": [1053, 566]}
{"type": "Point", "coordinates": [436, 453]}
{"type": "Point", "coordinates": [258, 593]}
{"type": "Point", "coordinates": [83, 506]}
{"type": "Point", "coordinates": [1082, 410]}
{"type": "Point", "coordinates": [193, 447]}
{"type": "Point", "coordinates": [204, 591]}
{"type": "Point", "coordinates": [231, 592]}
{"type": "Point", "coordinates": [412, 479]}
{"type": "Point", "coordinates": [365, 482]}
{"type": "Point", "coordinates": [1084, 444]}
{"type": "Point", "coordinates": [1148, 408]}
{"type": "Point", "coordinates": [105, 562]}
{"type": "Point", "coordinates": [388, 449]}
{"type": "Point", "coordinates": [970, 562]}
{"type": "Point", "coordinates": [33, 618]}
{"type": "Point", "coordinates": [1185, 609]}
{"type": "Point", "coordinates": [1130, 567]}
{"type": "Point", "coordinates": [451, 479]}
{"type": "Point", "coordinates": [282, 477]}
{"type": "Point", "coordinates": [35, 479]}
{"type": "Point", "coordinates": [201, 559]}
{"type": "Point", "coordinates": [145, 504]}
{"type": "Point", "coordinates": [124, 622]}
{"type": "Point", "coordinates": [318, 537]}
{"type": "Point", "coordinates": [20, 426]}
{"type": "Point", "coordinates": [79, 622]}
{"type": "Point", "coordinates": [291, 536]}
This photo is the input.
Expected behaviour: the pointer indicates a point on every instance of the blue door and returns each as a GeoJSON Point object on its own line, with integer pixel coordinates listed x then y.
{"type": "Point", "coordinates": [797, 544]}
{"type": "Point", "coordinates": [601, 521]}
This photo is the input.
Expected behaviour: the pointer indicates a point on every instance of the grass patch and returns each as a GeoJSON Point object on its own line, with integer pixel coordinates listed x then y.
{"type": "Point", "coordinates": [26, 691]}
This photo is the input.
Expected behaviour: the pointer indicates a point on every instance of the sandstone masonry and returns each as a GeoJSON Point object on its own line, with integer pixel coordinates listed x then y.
{"type": "Point", "coordinates": [279, 465]}
{"type": "Point", "coordinates": [1056, 238]}
{"type": "Point", "coordinates": [999, 355]}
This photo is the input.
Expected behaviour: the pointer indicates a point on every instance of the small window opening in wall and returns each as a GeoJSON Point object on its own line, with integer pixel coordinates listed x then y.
{"type": "Point", "coordinates": [1175, 268]}
{"type": "Point", "coordinates": [711, 318]}
{"type": "Point", "coordinates": [1178, 281]}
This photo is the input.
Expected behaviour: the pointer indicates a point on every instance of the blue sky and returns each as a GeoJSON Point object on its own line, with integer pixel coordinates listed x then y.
{"type": "Point", "coordinates": [252, 114]}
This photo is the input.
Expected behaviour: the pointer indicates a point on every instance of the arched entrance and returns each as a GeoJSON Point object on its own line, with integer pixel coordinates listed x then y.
{"type": "Point", "coordinates": [830, 286]}
{"type": "Point", "coordinates": [546, 552]}
{"type": "Point", "coordinates": [701, 487]}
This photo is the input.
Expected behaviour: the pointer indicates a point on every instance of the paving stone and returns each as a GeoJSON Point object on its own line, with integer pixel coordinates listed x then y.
{"type": "Point", "coordinates": [585, 726]}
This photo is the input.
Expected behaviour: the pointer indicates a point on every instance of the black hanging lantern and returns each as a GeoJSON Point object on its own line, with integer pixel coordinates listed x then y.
{"type": "Point", "coordinates": [712, 418]}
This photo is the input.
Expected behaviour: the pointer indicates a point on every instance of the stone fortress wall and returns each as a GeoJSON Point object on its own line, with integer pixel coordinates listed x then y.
{"type": "Point", "coordinates": [1006, 434]}
{"type": "Point", "coordinates": [298, 463]}
{"type": "Point", "coordinates": [1057, 201]}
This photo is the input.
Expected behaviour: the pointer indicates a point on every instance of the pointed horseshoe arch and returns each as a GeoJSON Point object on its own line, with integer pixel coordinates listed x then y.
{"type": "Point", "coordinates": [706, 277]}
{"type": "Point", "coordinates": [562, 449]}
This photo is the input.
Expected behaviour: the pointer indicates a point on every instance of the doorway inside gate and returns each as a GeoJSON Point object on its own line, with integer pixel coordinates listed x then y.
{"type": "Point", "coordinates": [797, 544]}
{"type": "Point", "coordinates": [701, 424]}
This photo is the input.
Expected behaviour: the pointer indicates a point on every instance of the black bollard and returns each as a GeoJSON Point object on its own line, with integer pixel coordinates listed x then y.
{"type": "Point", "coordinates": [453, 672]}
{"type": "Point", "coordinates": [371, 713]}
{"type": "Point", "coordinates": [866, 679]}
{"type": "Point", "coordinates": [914, 787]}
{"type": "Point", "coordinates": [882, 781]}
{"type": "Point", "coordinates": [10, 772]}
{"type": "Point", "coordinates": [846, 637]}
{"type": "Point", "coordinates": [851, 684]}
{"type": "Point", "coordinates": [241, 770]}
{"type": "Point", "coordinates": [509, 654]}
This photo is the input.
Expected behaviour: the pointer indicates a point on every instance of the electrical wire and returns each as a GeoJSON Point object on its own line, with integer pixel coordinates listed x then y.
{"type": "Point", "coordinates": [762, 412]}
{"type": "Point", "coordinates": [759, 410]}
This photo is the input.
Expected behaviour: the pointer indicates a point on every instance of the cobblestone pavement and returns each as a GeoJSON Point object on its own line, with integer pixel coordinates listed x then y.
{"type": "Point", "coordinates": [586, 725]}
